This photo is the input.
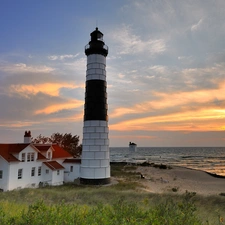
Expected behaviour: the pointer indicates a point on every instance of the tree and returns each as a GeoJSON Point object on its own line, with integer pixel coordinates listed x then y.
{"type": "Point", "coordinates": [67, 141]}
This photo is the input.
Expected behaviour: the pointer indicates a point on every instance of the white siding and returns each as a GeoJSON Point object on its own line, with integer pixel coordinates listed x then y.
{"type": "Point", "coordinates": [57, 179]}
{"type": "Point", "coordinates": [27, 150]}
{"type": "Point", "coordinates": [10, 181]}
{"type": "Point", "coordinates": [46, 177]}
{"type": "Point", "coordinates": [27, 180]}
{"type": "Point", "coordinates": [71, 176]}
{"type": "Point", "coordinates": [4, 166]}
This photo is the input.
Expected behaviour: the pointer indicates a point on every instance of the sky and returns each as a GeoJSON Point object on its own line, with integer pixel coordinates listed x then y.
{"type": "Point", "coordinates": [165, 69]}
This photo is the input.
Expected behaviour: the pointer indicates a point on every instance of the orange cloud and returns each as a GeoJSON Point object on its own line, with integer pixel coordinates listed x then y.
{"type": "Point", "coordinates": [201, 96]}
{"type": "Point", "coordinates": [18, 124]}
{"type": "Point", "coordinates": [201, 119]}
{"type": "Point", "coordinates": [52, 89]}
{"type": "Point", "coordinates": [166, 100]}
{"type": "Point", "coordinates": [132, 136]}
{"type": "Point", "coordinates": [74, 118]}
{"type": "Point", "coordinates": [122, 111]}
{"type": "Point", "coordinates": [58, 107]}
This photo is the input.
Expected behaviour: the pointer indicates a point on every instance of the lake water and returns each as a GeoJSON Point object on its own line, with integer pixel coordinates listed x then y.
{"type": "Point", "coordinates": [208, 159]}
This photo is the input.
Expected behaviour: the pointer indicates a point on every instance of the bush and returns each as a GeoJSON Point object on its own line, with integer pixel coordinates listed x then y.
{"type": "Point", "coordinates": [123, 170]}
{"type": "Point", "coordinates": [175, 189]}
{"type": "Point", "coordinates": [119, 212]}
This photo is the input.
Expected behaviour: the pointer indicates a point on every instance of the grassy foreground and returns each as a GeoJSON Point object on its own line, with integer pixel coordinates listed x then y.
{"type": "Point", "coordinates": [122, 203]}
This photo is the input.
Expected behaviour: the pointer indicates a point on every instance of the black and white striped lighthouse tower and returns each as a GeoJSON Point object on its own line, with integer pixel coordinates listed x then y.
{"type": "Point", "coordinates": [95, 162]}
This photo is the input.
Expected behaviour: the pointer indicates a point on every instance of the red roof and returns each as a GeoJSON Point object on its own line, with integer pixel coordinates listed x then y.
{"type": "Point", "coordinates": [42, 147]}
{"type": "Point", "coordinates": [40, 156]}
{"type": "Point", "coordinates": [6, 151]}
{"type": "Point", "coordinates": [60, 152]}
{"type": "Point", "coordinates": [53, 165]}
{"type": "Point", "coordinates": [72, 160]}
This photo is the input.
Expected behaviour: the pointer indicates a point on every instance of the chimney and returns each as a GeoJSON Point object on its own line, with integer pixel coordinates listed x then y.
{"type": "Point", "coordinates": [27, 137]}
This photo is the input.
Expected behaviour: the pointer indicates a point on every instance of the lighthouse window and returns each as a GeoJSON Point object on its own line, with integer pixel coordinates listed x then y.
{"type": "Point", "coordinates": [100, 38]}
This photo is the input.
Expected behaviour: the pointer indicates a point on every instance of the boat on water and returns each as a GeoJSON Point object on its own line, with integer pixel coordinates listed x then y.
{"type": "Point", "coordinates": [132, 147]}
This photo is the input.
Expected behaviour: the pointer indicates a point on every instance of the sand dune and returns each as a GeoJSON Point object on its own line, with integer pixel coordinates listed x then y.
{"type": "Point", "coordinates": [180, 180]}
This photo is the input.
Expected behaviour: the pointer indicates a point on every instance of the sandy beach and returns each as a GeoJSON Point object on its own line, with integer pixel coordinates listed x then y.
{"type": "Point", "coordinates": [180, 180]}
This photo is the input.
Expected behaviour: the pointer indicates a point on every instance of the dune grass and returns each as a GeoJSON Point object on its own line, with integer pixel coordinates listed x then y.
{"type": "Point", "coordinates": [122, 203]}
{"type": "Point", "coordinates": [118, 211]}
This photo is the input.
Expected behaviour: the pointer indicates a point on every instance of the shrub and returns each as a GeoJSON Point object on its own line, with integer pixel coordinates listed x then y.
{"type": "Point", "coordinates": [175, 189]}
{"type": "Point", "coordinates": [123, 170]}
{"type": "Point", "coordinates": [116, 213]}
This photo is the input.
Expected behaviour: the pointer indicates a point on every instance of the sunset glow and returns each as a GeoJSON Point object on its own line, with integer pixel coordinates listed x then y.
{"type": "Point", "coordinates": [59, 107]}
{"type": "Point", "coordinates": [47, 88]}
{"type": "Point", "coordinates": [165, 69]}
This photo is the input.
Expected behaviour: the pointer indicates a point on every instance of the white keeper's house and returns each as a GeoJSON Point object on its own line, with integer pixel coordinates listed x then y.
{"type": "Point", "coordinates": [34, 165]}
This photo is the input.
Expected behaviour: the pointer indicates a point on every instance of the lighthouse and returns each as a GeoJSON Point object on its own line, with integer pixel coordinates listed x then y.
{"type": "Point", "coordinates": [95, 162]}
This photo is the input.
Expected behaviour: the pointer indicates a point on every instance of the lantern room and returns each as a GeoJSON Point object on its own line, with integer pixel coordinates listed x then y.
{"type": "Point", "coordinates": [96, 45]}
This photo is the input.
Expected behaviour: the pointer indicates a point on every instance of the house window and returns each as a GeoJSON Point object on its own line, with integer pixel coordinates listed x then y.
{"type": "Point", "coordinates": [47, 171]}
{"type": "Point", "coordinates": [20, 173]}
{"type": "Point", "coordinates": [23, 157]}
{"type": "Point", "coordinates": [49, 155]}
{"type": "Point", "coordinates": [58, 172]}
{"type": "Point", "coordinates": [33, 171]}
{"type": "Point", "coordinates": [39, 171]}
{"type": "Point", "coordinates": [71, 168]}
{"type": "Point", "coordinates": [1, 174]}
{"type": "Point", "coordinates": [30, 156]}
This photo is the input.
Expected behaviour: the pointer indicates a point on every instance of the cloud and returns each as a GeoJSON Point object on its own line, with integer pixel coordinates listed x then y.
{"type": "Point", "coordinates": [118, 112]}
{"type": "Point", "coordinates": [197, 26]}
{"type": "Point", "coordinates": [22, 67]}
{"type": "Point", "coordinates": [62, 57]}
{"type": "Point", "coordinates": [40, 94]}
{"type": "Point", "coordinates": [52, 89]}
{"type": "Point", "coordinates": [126, 42]}
{"type": "Point", "coordinates": [200, 110]}
{"type": "Point", "coordinates": [165, 73]}
{"type": "Point", "coordinates": [77, 65]}
{"type": "Point", "coordinates": [181, 121]}
{"type": "Point", "coordinates": [158, 69]}
{"type": "Point", "coordinates": [72, 104]}
{"type": "Point", "coordinates": [18, 124]}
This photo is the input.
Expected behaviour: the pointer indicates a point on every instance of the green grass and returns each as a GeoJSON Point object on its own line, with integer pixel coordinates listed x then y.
{"type": "Point", "coordinates": [116, 212]}
{"type": "Point", "coordinates": [122, 203]}
{"type": "Point", "coordinates": [124, 171]}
